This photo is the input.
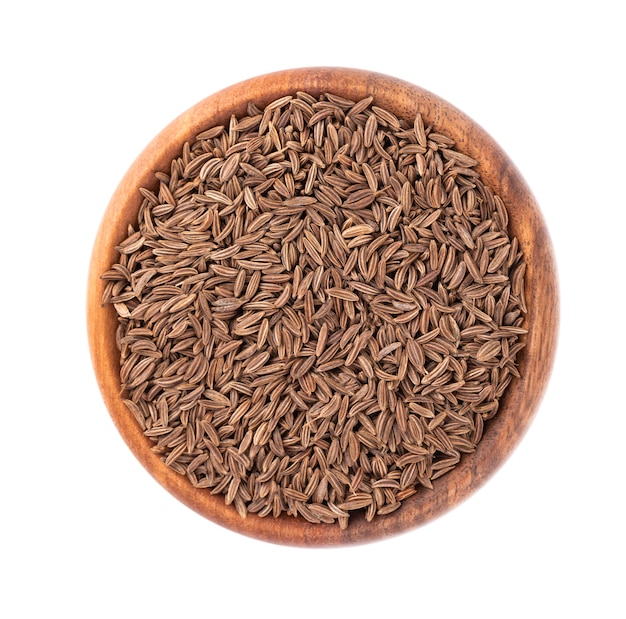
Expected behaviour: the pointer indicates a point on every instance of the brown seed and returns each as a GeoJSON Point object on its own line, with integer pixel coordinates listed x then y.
{"type": "Point", "coordinates": [488, 350]}
{"type": "Point", "coordinates": [339, 293]}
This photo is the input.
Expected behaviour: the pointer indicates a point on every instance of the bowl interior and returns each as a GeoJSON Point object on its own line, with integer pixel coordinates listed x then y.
{"type": "Point", "coordinates": [517, 407]}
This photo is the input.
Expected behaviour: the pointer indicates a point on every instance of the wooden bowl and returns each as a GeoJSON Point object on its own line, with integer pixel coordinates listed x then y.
{"type": "Point", "coordinates": [518, 406]}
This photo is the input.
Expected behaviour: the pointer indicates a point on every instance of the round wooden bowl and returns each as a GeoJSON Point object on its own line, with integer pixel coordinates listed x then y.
{"type": "Point", "coordinates": [518, 406]}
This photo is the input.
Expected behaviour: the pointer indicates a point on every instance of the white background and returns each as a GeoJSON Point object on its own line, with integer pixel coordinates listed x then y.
{"type": "Point", "coordinates": [84, 530]}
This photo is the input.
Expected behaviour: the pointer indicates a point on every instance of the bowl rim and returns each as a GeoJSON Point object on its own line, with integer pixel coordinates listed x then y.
{"type": "Point", "coordinates": [523, 396]}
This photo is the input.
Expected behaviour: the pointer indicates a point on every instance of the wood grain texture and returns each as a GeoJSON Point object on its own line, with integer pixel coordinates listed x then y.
{"type": "Point", "coordinates": [518, 406]}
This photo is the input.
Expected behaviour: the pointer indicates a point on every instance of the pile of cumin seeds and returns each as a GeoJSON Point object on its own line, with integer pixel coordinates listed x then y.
{"type": "Point", "coordinates": [319, 308]}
